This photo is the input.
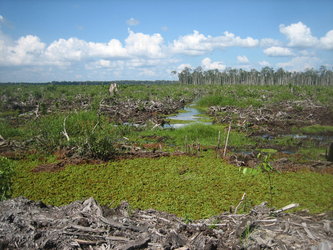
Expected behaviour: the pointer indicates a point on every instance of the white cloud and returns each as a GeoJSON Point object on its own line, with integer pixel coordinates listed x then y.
{"type": "Point", "coordinates": [300, 63]}
{"type": "Point", "coordinates": [112, 49]}
{"type": "Point", "coordinates": [181, 67]}
{"type": "Point", "coordinates": [199, 44]}
{"type": "Point", "coordinates": [132, 22]}
{"type": "Point", "coordinates": [148, 55]}
{"type": "Point", "coordinates": [327, 40]}
{"type": "Point", "coordinates": [25, 51]}
{"type": "Point", "coordinates": [242, 59]}
{"type": "Point", "coordinates": [63, 50]}
{"type": "Point", "coordinates": [29, 50]}
{"type": "Point", "coordinates": [207, 64]}
{"type": "Point", "coordinates": [299, 35]}
{"type": "Point", "coordinates": [264, 63]}
{"type": "Point", "coordinates": [278, 51]}
{"type": "Point", "coordinates": [75, 49]}
{"type": "Point", "coordinates": [104, 63]}
{"type": "Point", "coordinates": [269, 42]}
{"type": "Point", "coordinates": [194, 44]}
{"type": "Point", "coordinates": [147, 72]}
{"type": "Point", "coordinates": [231, 40]}
{"type": "Point", "coordinates": [140, 44]}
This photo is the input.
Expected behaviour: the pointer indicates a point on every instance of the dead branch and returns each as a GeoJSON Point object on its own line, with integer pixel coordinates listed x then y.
{"type": "Point", "coordinates": [64, 132]}
{"type": "Point", "coordinates": [85, 224]}
{"type": "Point", "coordinates": [36, 111]}
{"type": "Point", "coordinates": [226, 141]}
{"type": "Point", "coordinates": [241, 201]}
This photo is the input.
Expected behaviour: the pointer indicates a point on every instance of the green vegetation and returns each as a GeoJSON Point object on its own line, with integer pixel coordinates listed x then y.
{"type": "Point", "coordinates": [69, 119]}
{"type": "Point", "coordinates": [206, 135]}
{"type": "Point", "coordinates": [175, 121]}
{"type": "Point", "coordinates": [266, 168]}
{"type": "Point", "coordinates": [193, 186]}
{"type": "Point", "coordinates": [6, 174]}
{"type": "Point", "coordinates": [257, 96]}
{"type": "Point", "coordinates": [317, 129]}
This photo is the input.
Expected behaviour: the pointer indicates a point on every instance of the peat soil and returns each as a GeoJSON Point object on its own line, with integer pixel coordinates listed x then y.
{"type": "Point", "coordinates": [85, 224]}
{"type": "Point", "coordinates": [276, 121]}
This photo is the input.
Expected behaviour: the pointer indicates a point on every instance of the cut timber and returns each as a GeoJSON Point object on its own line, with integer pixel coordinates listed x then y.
{"type": "Point", "coordinates": [290, 206]}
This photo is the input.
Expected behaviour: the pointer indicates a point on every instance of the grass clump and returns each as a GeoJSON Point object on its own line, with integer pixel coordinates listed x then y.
{"type": "Point", "coordinates": [317, 129]}
{"type": "Point", "coordinates": [200, 133]}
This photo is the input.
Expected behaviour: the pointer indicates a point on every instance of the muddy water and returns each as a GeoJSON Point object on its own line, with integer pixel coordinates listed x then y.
{"type": "Point", "coordinates": [190, 116]}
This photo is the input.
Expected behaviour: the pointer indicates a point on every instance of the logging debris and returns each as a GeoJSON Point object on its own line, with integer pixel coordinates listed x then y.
{"type": "Point", "coordinates": [274, 119]}
{"type": "Point", "coordinates": [140, 112]}
{"type": "Point", "coordinates": [27, 224]}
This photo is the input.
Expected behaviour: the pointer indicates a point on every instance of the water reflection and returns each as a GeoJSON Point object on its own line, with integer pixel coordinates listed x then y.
{"type": "Point", "coordinates": [190, 116]}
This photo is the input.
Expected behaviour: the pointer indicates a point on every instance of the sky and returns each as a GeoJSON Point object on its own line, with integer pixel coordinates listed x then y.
{"type": "Point", "coordinates": [81, 40]}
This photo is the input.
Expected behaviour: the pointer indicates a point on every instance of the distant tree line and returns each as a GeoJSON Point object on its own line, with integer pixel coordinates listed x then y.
{"type": "Point", "coordinates": [94, 82]}
{"type": "Point", "coordinates": [266, 76]}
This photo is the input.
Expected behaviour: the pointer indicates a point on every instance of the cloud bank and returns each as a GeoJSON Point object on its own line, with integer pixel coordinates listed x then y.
{"type": "Point", "coordinates": [150, 55]}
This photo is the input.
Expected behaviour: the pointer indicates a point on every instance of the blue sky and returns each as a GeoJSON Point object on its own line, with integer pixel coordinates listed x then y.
{"type": "Point", "coordinates": [44, 40]}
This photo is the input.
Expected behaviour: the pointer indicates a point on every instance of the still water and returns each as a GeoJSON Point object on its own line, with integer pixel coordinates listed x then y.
{"type": "Point", "coordinates": [190, 116]}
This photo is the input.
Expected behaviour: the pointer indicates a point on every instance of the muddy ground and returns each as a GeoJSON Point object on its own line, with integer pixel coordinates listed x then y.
{"type": "Point", "coordinates": [274, 122]}
{"type": "Point", "coordinates": [86, 225]}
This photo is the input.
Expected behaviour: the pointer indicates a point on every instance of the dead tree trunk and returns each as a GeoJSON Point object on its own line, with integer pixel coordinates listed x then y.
{"type": "Point", "coordinates": [329, 155]}
{"type": "Point", "coordinates": [113, 89]}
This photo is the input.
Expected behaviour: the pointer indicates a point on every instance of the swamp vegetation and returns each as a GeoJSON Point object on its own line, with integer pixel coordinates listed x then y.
{"type": "Point", "coordinates": [62, 143]}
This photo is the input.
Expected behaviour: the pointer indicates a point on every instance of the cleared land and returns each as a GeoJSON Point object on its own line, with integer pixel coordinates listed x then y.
{"type": "Point", "coordinates": [71, 142]}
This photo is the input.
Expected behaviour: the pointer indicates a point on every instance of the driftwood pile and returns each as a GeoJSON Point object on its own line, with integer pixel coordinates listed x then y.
{"type": "Point", "coordinates": [138, 111]}
{"type": "Point", "coordinates": [25, 224]}
{"type": "Point", "coordinates": [279, 117]}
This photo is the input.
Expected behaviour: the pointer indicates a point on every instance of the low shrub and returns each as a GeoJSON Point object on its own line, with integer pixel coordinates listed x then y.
{"type": "Point", "coordinates": [6, 174]}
